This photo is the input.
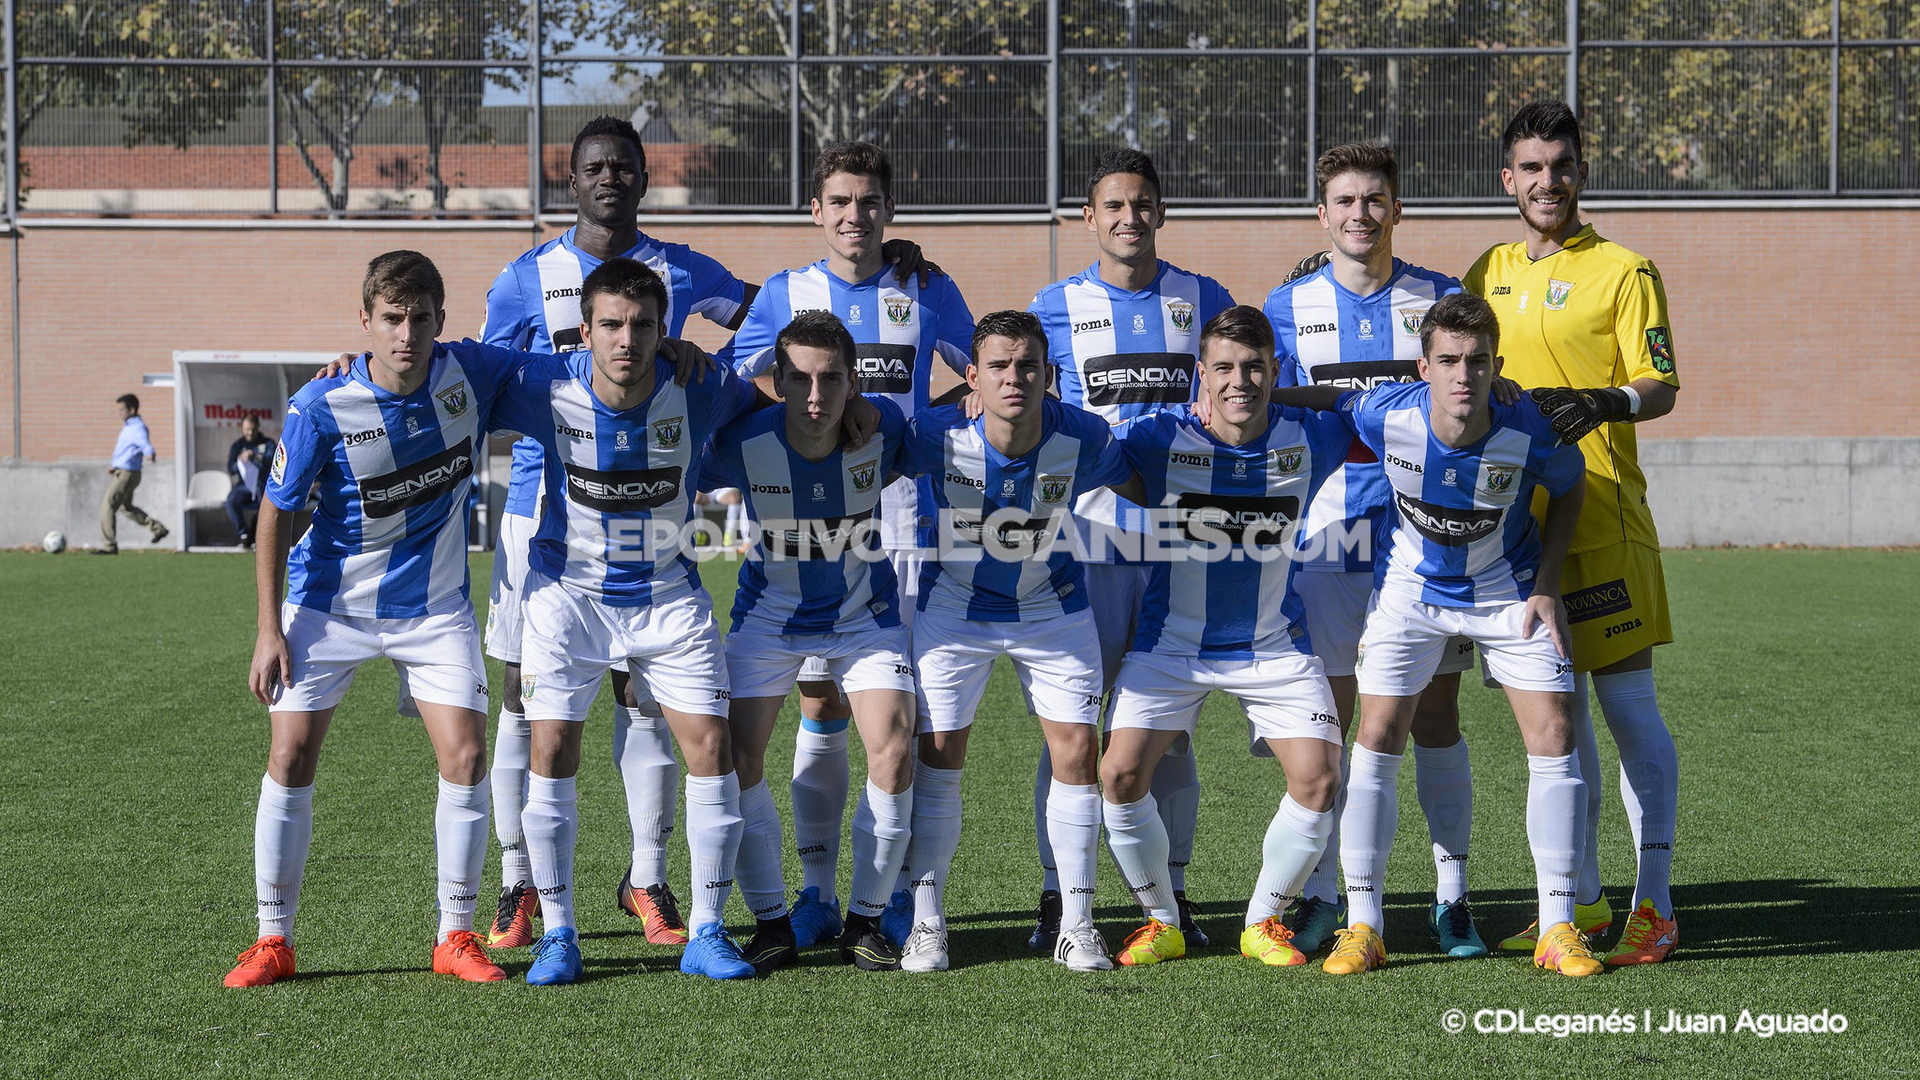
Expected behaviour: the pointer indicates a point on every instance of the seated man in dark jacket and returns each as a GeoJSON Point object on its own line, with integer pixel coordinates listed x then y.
{"type": "Point", "coordinates": [247, 462]}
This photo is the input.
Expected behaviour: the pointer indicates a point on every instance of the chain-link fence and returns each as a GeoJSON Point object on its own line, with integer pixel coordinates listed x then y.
{"type": "Point", "coordinates": [467, 108]}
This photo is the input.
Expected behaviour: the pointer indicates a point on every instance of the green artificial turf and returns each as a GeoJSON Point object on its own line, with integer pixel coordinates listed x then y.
{"type": "Point", "coordinates": [131, 752]}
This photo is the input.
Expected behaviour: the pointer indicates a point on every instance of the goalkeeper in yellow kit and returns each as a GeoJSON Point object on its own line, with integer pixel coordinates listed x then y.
{"type": "Point", "coordinates": [1586, 316]}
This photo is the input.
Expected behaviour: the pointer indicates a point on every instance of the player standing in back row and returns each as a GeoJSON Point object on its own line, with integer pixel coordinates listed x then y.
{"type": "Point", "coordinates": [1577, 310]}
{"type": "Point", "coordinates": [1124, 335]}
{"type": "Point", "coordinates": [534, 306]}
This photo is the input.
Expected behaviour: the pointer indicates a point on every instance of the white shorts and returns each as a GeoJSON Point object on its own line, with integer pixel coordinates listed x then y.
{"type": "Point", "coordinates": [1115, 592]}
{"type": "Point", "coordinates": [1286, 697]}
{"type": "Point", "coordinates": [572, 638]}
{"type": "Point", "coordinates": [1406, 639]}
{"type": "Point", "coordinates": [719, 495]}
{"type": "Point", "coordinates": [906, 567]}
{"type": "Point", "coordinates": [437, 656]}
{"type": "Point", "coordinates": [1336, 604]}
{"type": "Point", "coordinates": [760, 664]}
{"type": "Point", "coordinates": [506, 602]}
{"type": "Point", "coordinates": [1056, 659]}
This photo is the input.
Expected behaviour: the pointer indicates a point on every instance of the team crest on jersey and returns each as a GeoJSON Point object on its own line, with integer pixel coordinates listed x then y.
{"type": "Point", "coordinates": [620, 440]}
{"type": "Point", "coordinates": [863, 475]}
{"type": "Point", "coordinates": [1287, 462]}
{"type": "Point", "coordinates": [853, 315]}
{"type": "Point", "coordinates": [1557, 291]}
{"type": "Point", "coordinates": [1410, 322]}
{"type": "Point", "coordinates": [899, 310]}
{"type": "Point", "coordinates": [1053, 489]}
{"type": "Point", "coordinates": [1139, 324]}
{"type": "Point", "coordinates": [413, 425]}
{"type": "Point", "coordinates": [1240, 470]}
{"type": "Point", "coordinates": [666, 433]}
{"type": "Point", "coordinates": [1660, 348]}
{"type": "Point", "coordinates": [1182, 314]}
{"type": "Point", "coordinates": [454, 399]}
{"type": "Point", "coordinates": [280, 463]}
{"type": "Point", "coordinates": [1500, 478]}
{"type": "Point", "coordinates": [1366, 329]}
{"type": "Point", "coordinates": [1451, 479]}
{"type": "Point", "coordinates": [527, 684]}
{"type": "Point", "coordinates": [819, 490]}
{"type": "Point", "coordinates": [1007, 488]}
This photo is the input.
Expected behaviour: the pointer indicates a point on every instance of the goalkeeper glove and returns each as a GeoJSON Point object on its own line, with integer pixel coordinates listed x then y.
{"type": "Point", "coordinates": [1575, 413]}
{"type": "Point", "coordinates": [1309, 265]}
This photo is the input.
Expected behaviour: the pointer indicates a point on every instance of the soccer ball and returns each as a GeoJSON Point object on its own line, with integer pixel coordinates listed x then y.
{"type": "Point", "coordinates": [55, 542]}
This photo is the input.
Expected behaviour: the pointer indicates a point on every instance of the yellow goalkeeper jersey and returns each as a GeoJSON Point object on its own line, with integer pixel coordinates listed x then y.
{"type": "Point", "coordinates": [1591, 314]}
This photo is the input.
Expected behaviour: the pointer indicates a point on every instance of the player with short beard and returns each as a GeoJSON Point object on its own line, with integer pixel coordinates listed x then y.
{"type": "Point", "coordinates": [1124, 335]}
{"type": "Point", "coordinates": [1581, 314]}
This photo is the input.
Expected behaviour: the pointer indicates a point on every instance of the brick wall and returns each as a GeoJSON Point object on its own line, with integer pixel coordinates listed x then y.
{"type": "Point", "coordinates": [1770, 307]}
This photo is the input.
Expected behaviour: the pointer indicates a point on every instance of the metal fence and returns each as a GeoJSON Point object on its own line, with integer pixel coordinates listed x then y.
{"type": "Point", "coordinates": [467, 108]}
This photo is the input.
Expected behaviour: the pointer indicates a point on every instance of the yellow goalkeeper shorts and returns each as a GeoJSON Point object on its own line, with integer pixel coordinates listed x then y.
{"type": "Point", "coordinates": [1616, 603]}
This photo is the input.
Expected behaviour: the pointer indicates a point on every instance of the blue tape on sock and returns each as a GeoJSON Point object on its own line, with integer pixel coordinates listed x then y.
{"type": "Point", "coordinates": [823, 727]}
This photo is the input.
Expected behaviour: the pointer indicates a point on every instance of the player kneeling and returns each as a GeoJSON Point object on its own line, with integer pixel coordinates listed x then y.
{"type": "Point", "coordinates": [1465, 558]}
{"type": "Point", "coordinates": [1005, 584]}
{"type": "Point", "coordinates": [817, 584]}
{"type": "Point", "coordinates": [1221, 613]}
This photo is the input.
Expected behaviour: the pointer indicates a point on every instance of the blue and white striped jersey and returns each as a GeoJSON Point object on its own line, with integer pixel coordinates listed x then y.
{"type": "Point", "coordinates": [898, 331]}
{"type": "Point", "coordinates": [1222, 579]}
{"type": "Point", "coordinates": [619, 486]}
{"type": "Point", "coordinates": [534, 306]}
{"type": "Point", "coordinates": [1463, 533]}
{"type": "Point", "coordinates": [1125, 354]}
{"type": "Point", "coordinates": [1324, 333]}
{"type": "Point", "coordinates": [389, 539]}
{"type": "Point", "coordinates": [1023, 501]}
{"type": "Point", "coordinates": [818, 567]}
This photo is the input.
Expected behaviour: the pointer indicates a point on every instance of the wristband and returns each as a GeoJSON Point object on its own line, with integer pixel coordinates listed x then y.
{"type": "Point", "coordinates": [1633, 400]}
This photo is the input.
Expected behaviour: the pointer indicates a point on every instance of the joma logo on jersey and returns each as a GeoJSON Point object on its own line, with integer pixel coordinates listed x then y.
{"type": "Point", "coordinates": [1317, 328]}
{"type": "Point", "coordinates": [556, 294]}
{"type": "Point", "coordinates": [1091, 325]}
{"type": "Point", "coordinates": [1500, 478]}
{"type": "Point", "coordinates": [666, 433]}
{"type": "Point", "coordinates": [1287, 462]}
{"type": "Point", "coordinates": [573, 432]}
{"type": "Point", "coordinates": [771, 489]}
{"type": "Point", "coordinates": [1199, 461]}
{"type": "Point", "coordinates": [1403, 463]}
{"type": "Point", "coordinates": [1055, 488]}
{"type": "Point", "coordinates": [421, 482]}
{"type": "Point", "coordinates": [454, 399]}
{"type": "Point", "coordinates": [863, 475]}
{"type": "Point", "coordinates": [1557, 291]}
{"type": "Point", "coordinates": [1181, 313]}
{"type": "Point", "coordinates": [355, 438]}
{"type": "Point", "coordinates": [899, 310]}
{"type": "Point", "coordinates": [966, 481]}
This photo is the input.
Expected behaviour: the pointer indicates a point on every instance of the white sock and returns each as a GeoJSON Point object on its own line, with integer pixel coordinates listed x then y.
{"type": "Point", "coordinates": [1042, 784]}
{"type": "Point", "coordinates": [282, 833]}
{"type": "Point", "coordinates": [643, 754]}
{"type": "Point", "coordinates": [1073, 820]}
{"type": "Point", "coordinates": [820, 803]}
{"type": "Point", "coordinates": [1296, 838]}
{"type": "Point", "coordinates": [1366, 834]}
{"type": "Point", "coordinates": [552, 823]}
{"type": "Point", "coordinates": [1649, 778]}
{"type": "Point", "coordinates": [1324, 882]}
{"type": "Point", "coordinates": [1556, 803]}
{"type": "Point", "coordinates": [1587, 751]}
{"type": "Point", "coordinates": [713, 837]}
{"type": "Point", "coordinates": [460, 849]}
{"type": "Point", "coordinates": [882, 829]}
{"type": "Point", "coordinates": [1444, 782]}
{"type": "Point", "coordinates": [758, 866]}
{"type": "Point", "coordinates": [1137, 836]}
{"type": "Point", "coordinates": [512, 750]}
{"type": "Point", "coordinates": [936, 836]}
{"type": "Point", "coordinates": [736, 526]}
{"type": "Point", "coordinates": [1176, 788]}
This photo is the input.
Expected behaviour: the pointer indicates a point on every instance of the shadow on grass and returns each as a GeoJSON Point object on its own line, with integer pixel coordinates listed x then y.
{"type": "Point", "coordinates": [1718, 920]}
